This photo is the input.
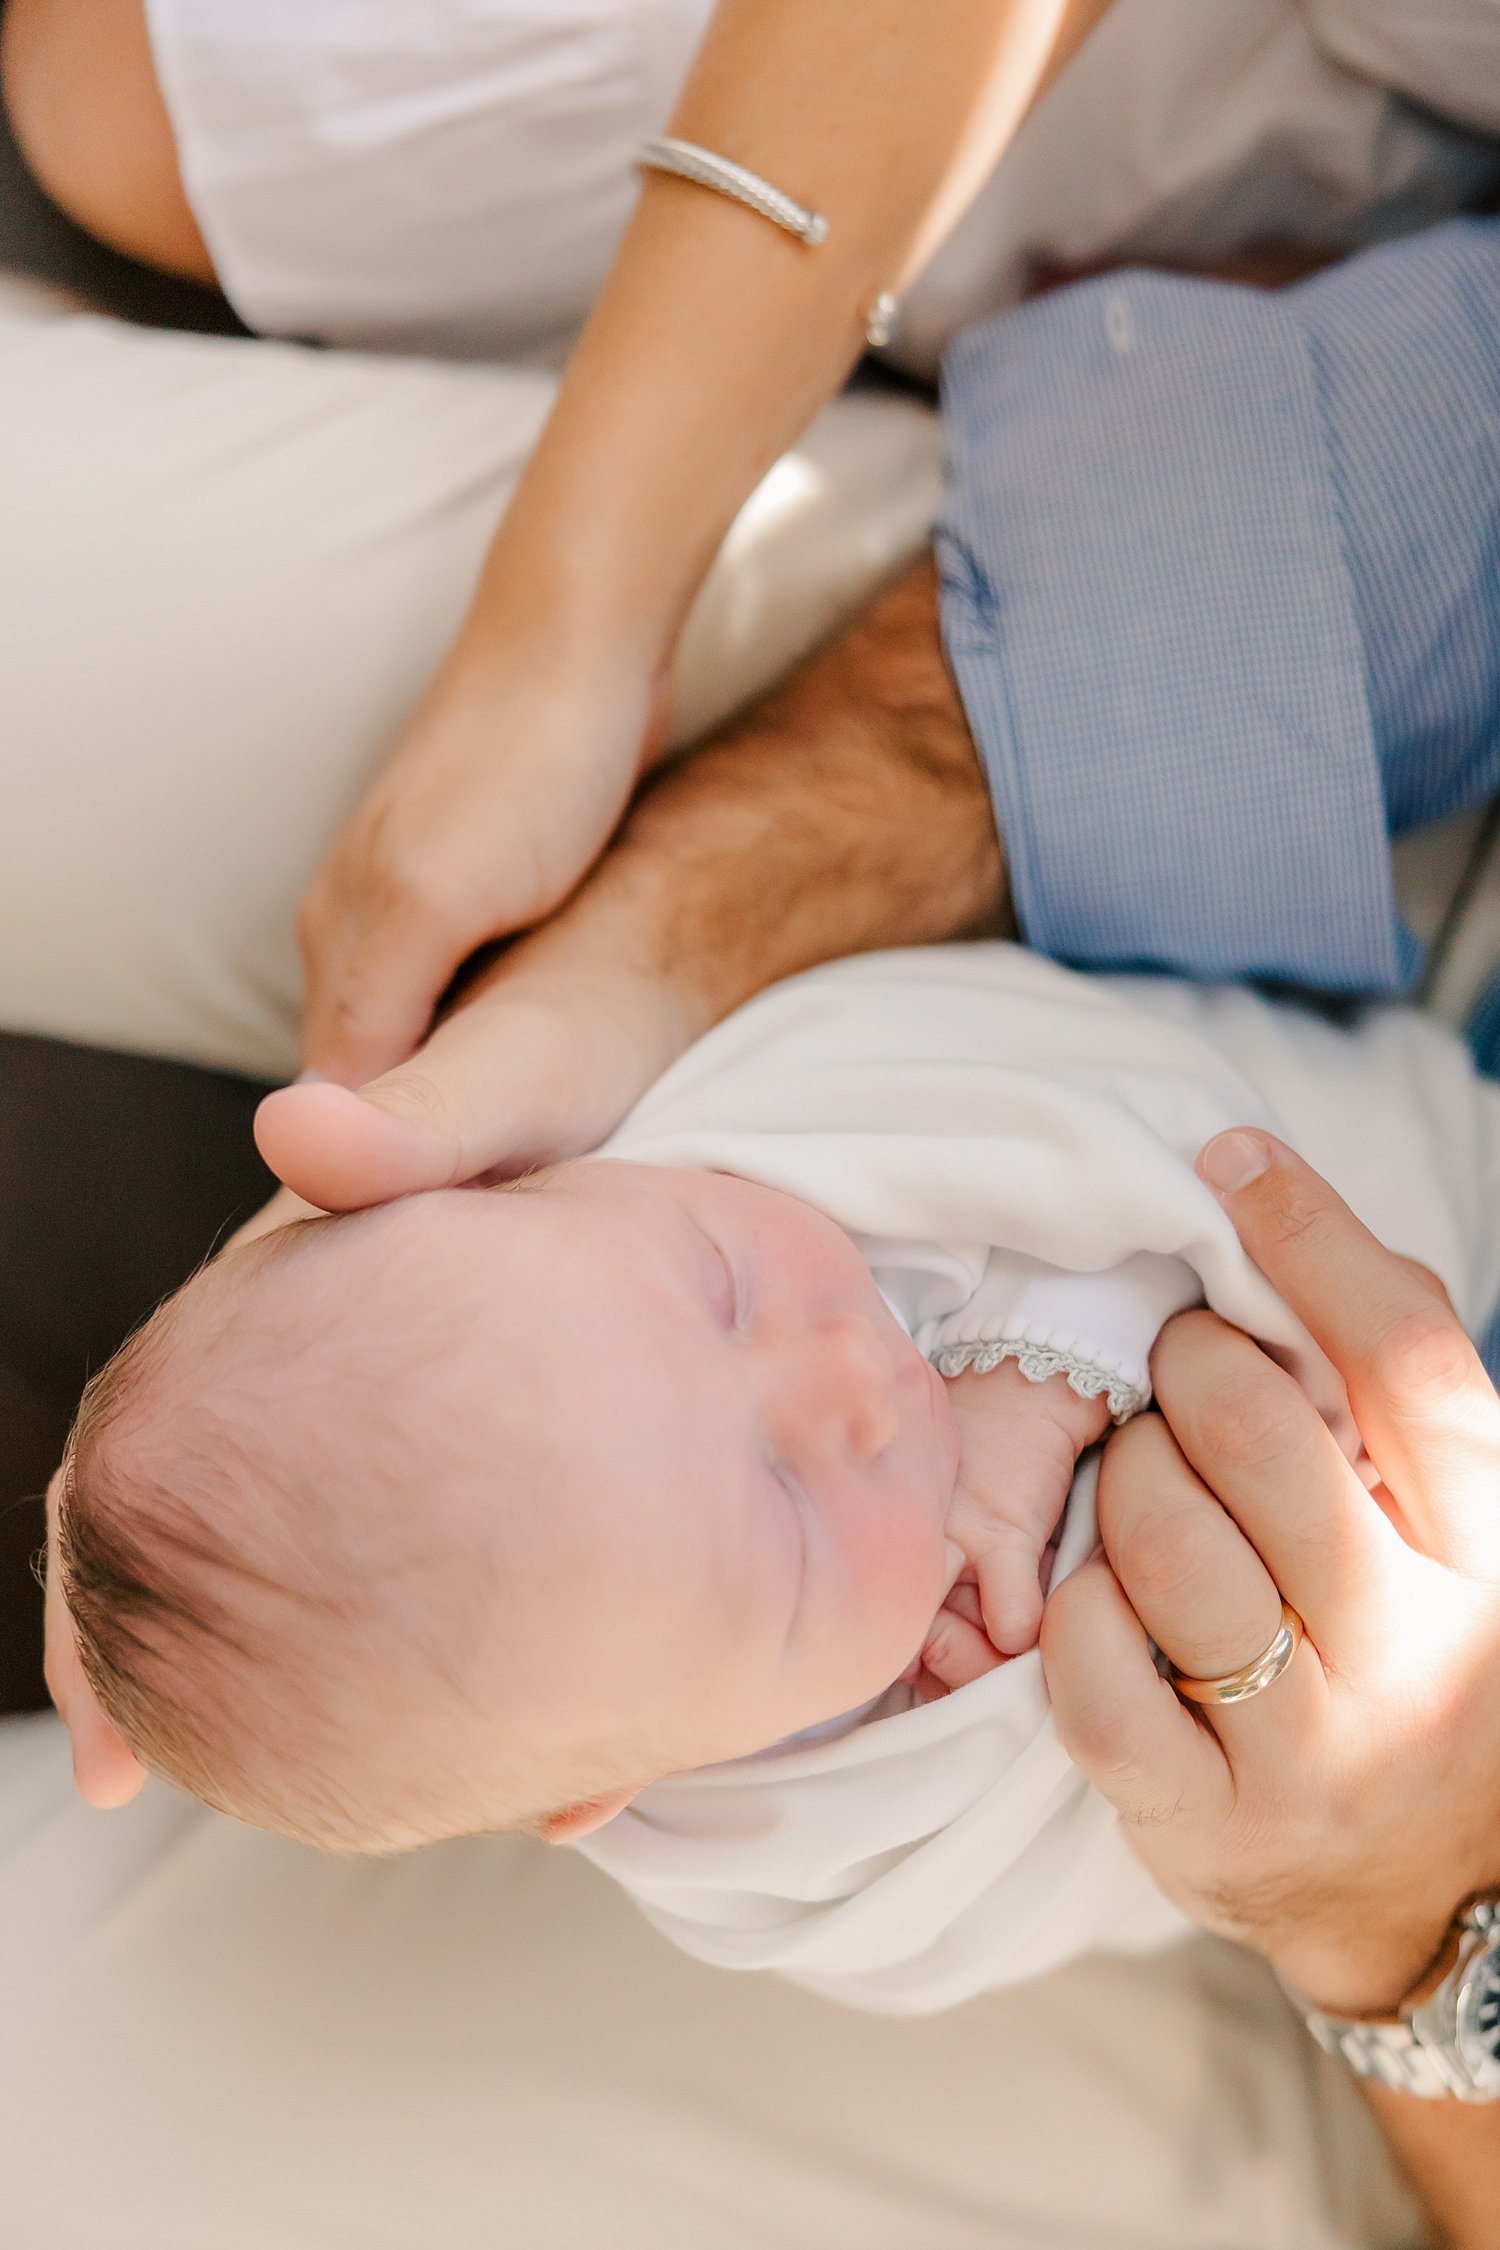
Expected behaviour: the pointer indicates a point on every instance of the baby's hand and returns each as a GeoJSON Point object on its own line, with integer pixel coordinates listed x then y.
{"type": "Point", "coordinates": [1019, 1444]}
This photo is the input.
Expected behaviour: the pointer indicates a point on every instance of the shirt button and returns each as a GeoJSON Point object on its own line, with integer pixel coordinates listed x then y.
{"type": "Point", "coordinates": [1119, 323]}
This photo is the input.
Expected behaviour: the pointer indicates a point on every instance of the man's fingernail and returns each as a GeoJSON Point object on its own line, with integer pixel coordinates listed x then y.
{"type": "Point", "coordinates": [309, 1078]}
{"type": "Point", "coordinates": [1231, 1161]}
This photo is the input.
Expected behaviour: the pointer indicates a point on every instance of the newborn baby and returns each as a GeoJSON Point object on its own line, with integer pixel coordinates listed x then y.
{"type": "Point", "coordinates": [643, 1483]}
{"type": "Point", "coordinates": [484, 1509]}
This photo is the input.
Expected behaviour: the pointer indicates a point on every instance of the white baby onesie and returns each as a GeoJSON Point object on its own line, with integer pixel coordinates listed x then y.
{"type": "Point", "coordinates": [1012, 1147]}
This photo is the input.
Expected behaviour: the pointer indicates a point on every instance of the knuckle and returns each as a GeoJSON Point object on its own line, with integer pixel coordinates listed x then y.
{"type": "Point", "coordinates": [1137, 1460]}
{"type": "Point", "coordinates": [1297, 1204]}
{"type": "Point", "coordinates": [1253, 1423]}
{"type": "Point", "coordinates": [399, 870]}
{"type": "Point", "coordinates": [1092, 1729]}
{"type": "Point", "coordinates": [417, 1097]}
{"type": "Point", "coordinates": [1099, 1739]}
{"type": "Point", "coordinates": [1422, 1359]}
{"type": "Point", "coordinates": [1179, 1350]}
{"type": "Point", "coordinates": [1166, 1552]}
{"type": "Point", "coordinates": [1433, 1284]}
{"type": "Point", "coordinates": [352, 1018]}
{"type": "Point", "coordinates": [416, 887]}
{"type": "Point", "coordinates": [941, 1649]}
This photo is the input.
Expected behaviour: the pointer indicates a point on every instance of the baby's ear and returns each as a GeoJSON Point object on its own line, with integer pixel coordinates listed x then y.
{"type": "Point", "coordinates": [581, 1820]}
{"type": "Point", "coordinates": [105, 1768]}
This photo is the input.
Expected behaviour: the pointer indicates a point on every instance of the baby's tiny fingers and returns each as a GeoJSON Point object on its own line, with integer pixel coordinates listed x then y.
{"type": "Point", "coordinates": [1010, 1588]}
{"type": "Point", "coordinates": [957, 1650]}
{"type": "Point", "coordinates": [963, 1600]}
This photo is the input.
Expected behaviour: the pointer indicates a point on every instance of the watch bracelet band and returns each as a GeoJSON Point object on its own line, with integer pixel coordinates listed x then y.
{"type": "Point", "coordinates": [1396, 2055]}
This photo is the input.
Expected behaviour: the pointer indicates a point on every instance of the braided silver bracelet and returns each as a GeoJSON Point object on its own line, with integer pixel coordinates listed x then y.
{"type": "Point", "coordinates": [704, 168]}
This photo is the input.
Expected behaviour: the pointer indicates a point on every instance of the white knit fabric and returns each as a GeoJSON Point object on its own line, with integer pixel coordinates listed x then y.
{"type": "Point", "coordinates": [974, 1306]}
{"type": "Point", "coordinates": [976, 1096]}
{"type": "Point", "coordinates": [227, 570]}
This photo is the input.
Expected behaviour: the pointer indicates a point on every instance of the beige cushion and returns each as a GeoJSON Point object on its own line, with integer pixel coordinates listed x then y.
{"type": "Point", "coordinates": [212, 2037]}
{"type": "Point", "coordinates": [227, 570]}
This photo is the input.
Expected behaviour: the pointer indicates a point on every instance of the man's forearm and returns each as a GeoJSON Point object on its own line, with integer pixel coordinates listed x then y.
{"type": "Point", "coordinates": [847, 812]}
{"type": "Point", "coordinates": [1450, 2151]}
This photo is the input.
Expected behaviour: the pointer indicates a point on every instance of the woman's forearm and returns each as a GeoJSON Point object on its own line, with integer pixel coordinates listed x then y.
{"type": "Point", "coordinates": [717, 336]}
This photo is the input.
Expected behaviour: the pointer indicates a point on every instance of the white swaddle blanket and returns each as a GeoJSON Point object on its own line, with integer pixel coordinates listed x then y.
{"type": "Point", "coordinates": [962, 1099]}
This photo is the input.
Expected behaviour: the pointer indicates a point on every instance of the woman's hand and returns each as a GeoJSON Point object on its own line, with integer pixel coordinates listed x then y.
{"type": "Point", "coordinates": [1336, 1822]}
{"type": "Point", "coordinates": [715, 339]}
{"type": "Point", "coordinates": [509, 781]}
{"type": "Point", "coordinates": [848, 811]}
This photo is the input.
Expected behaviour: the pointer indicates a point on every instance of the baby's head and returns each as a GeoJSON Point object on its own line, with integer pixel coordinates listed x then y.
{"type": "Point", "coordinates": [485, 1509]}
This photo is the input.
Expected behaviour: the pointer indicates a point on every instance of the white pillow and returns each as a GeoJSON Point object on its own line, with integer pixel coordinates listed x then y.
{"type": "Point", "coordinates": [227, 570]}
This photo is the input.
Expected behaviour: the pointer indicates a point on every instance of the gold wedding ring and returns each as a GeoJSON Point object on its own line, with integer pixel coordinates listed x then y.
{"type": "Point", "coordinates": [1251, 1679]}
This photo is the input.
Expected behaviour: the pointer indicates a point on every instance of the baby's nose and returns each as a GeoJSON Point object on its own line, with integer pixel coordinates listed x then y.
{"type": "Point", "coordinates": [854, 1384]}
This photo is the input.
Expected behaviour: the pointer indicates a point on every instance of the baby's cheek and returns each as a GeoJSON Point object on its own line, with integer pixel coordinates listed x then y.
{"type": "Point", "coordinates": [905, 1566]}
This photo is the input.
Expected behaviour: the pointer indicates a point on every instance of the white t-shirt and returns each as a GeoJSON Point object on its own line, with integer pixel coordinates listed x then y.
{"type": "Point", "coordinates": [453, 175]}
{"type": "Point", "coordinates": [998, 1134]}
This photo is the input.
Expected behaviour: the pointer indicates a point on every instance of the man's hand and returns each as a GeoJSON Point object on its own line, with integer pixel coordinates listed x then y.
{"type": "Point", "coordinates": [1336, 1822]}
{"type": "Point", "coordinates": [846, 812]}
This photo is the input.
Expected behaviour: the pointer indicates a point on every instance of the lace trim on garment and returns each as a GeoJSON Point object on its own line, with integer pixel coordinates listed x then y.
{"type": "Point", "coordinates": [1039, 1362]}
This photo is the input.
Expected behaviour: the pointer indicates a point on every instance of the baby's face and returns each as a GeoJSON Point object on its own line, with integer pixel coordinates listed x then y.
{"type": "Point", "coordinates": [745, 1464]}
{"type": "Point", "coordinates": [453, 1514]}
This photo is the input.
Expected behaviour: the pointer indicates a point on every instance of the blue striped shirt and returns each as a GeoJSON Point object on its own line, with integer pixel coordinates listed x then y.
{"type": "Point", "coordinates": [1221, 590]}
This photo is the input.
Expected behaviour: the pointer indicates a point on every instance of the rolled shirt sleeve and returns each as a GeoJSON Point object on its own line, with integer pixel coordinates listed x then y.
{"type": "Point", "coordinates": [1220, 590]}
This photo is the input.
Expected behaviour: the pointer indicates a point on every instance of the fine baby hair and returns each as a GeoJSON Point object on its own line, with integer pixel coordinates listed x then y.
{"type": "Point", "coordinates": [300, 1665]}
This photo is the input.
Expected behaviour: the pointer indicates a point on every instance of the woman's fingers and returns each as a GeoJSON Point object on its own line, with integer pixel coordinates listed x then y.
{"type": "Point", "coordinates": [509, 781]}
{"type": "Point", "coordinates": [1427, 1411]}
{"type": "Point", "coordinates": [1262, 1450]}
{"type": "Point", "coordinates": [1116, 1716]}
{"type": "Point", "coordinates": [372, 978]}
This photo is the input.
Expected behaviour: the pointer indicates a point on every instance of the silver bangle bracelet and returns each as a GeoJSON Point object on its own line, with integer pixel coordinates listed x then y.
{"type": "Point", "coordinates": [704, 169]}
{"type": "Point", "coordinates": [687, 161]}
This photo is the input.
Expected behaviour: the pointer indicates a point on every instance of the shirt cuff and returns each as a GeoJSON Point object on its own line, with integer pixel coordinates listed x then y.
{"type": "Point", "coordinates": [1097, 1329]}
{"type": "Point", "coordinates": [1151, 621]}
{"type": "Point", "coordinates": [1404, 347]}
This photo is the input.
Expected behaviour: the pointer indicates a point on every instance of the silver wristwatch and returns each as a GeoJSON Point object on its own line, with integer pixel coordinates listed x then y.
{"type": "Point", "coordinates": [1446, 2046]}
